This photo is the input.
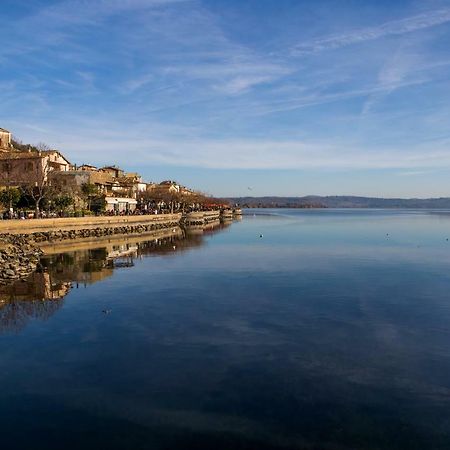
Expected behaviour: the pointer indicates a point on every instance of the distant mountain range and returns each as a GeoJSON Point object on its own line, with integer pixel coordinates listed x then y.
{"type": "Point", "coordinates": [340, 201]}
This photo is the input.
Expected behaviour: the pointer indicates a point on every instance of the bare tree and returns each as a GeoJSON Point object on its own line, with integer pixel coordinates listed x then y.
{"type": "Point", "coordinates": [37, 186]}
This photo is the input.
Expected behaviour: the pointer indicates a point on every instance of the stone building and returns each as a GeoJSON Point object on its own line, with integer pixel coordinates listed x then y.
{"type": "Point", "coordinates": [169, 186]}
{"type": "Point", "coordinates": [30, 167]}
{"type": "Point", "coordinates": [129, 185]}
{"type": "Point", "coordinates": [87, 167]}
{"type": "Point", "coordinates": [114, 171]}
{"type": "Point", "coordinates": [120, 204]}
{"type": "Point", "coordinates": [5, 140]}
{"type": "Point", "coordinates": [73, 180]}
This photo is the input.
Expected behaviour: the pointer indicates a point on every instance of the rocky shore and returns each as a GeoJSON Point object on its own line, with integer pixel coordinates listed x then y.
{"type": "Point", "coordinates": [20, 253]}
{"type": "Point", "coordinates": [43, 236]}
{"type": "Point", "coordinates": [19, 257]}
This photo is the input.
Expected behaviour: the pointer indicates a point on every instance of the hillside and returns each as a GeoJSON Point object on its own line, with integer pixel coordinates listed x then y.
{"type": "Point", "coordinates": [340, 201]}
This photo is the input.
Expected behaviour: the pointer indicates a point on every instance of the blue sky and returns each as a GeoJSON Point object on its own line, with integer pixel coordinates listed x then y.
{"type": "Point", "coordinates": [243, 97]}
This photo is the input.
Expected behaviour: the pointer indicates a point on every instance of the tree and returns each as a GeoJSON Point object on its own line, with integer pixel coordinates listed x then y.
{"type": "Point", "coordinates": [38, 186]}
{"type": "Point", "coordinates": [63, 201]}
{"type": "Point", "coordinates": [10, 196]}
{"type": "Point", "coordinates": [89, 191]}
{"type": "Point", "coordinates": [160, 195]}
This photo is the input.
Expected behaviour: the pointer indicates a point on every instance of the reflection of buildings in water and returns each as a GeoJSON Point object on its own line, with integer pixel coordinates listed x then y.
{"type": "Point", "coordinates": [37, 297]}
{"type": "Point", "coordinates": [41, 295]}
{"type": "Point", "coordinates": [122, 255]}
{"type": "Point", "coordinates": [84, 266]}
{"type": "Point", "coordinates": [38, 286]}
{"type": "Point", "coordinates": [209, 228]}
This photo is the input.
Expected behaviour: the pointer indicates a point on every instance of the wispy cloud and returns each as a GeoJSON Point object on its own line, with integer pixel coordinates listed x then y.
{"type": "Point", "coordinates": [162, 144]}
{"type": "Point", "coordinates": [315, 98]}
{"type": "Point", "coordinates": [233, 77]}
{"type": "Point", "coordinates": [413, 173]}
{"type": "Point", "coordinates": [178, 83]}
{"type": "Point", "coordinates": [78, 12]}
{"type": "Point", "coordinates": [395, 27]}
{"type": "Point", "coordinates": [395, 74]}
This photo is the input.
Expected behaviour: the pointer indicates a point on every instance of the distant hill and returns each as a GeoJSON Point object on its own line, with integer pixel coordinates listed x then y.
{"type": "Point", "coordinates": [340, 201]}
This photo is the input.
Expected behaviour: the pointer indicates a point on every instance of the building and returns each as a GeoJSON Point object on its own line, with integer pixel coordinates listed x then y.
{"type": "Point", "coordinates": [120, 204]}
{"type": "Point", "coordinates": [129, 185]}
{"type": "Point", "coordinates": [87, 168]}
{"type": "Point", "coordinates": [169, 186]}
{"type": "Point", "coordinates": [73, 180]}
{"type": "Point", "coordinates": [30, 167]}
{"type": "Point", "coordinates": [5, 140]}
{"type": "Point", "coordinates": [114, 171]}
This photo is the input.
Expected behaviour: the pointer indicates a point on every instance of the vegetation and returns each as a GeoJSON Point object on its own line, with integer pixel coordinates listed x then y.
{"type": "Point", "coordinates": [90, 193]}
{"type": "Point", "coordinates": [10, 197]}
{"type": "Point", "coordinates": [340, 201]}
{"type": "Point", "coordinates": [41, 192]}
{"type": "Point", "coordinates": [63, 202]}
{"type": "Point", "coordinates": [19, 145]}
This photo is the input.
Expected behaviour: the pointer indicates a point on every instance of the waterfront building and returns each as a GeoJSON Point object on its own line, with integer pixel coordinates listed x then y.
{"type": "Point", "coordinates": [30, 167]}
{"type": "Point", "coordinates": [120, 205]}
{"type": "Point", "coordinates": [86, 168]}
{"type": "Point", "coordinates": [129, 185]}
{"type": "Point", "coordinates": [114, 171]}
{"type": "Point", "coordinates": [169, 186]}
{"type": "Point", "coordinates": [5, 140]}
{"type": "Point", "coordinates": [73, 180]}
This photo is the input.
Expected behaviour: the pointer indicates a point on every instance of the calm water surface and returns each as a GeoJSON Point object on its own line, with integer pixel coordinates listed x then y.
{"type": "Point", "coordinates": [331, 331]}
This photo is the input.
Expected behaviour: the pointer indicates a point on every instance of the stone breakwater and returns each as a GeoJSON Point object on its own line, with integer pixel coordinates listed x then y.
{"type": "Point", "coordinates": [43, 236]}
{"type": "Point", "coordinates": [19, 257]}
{"type": "Point", "coordinates": [20, 253]}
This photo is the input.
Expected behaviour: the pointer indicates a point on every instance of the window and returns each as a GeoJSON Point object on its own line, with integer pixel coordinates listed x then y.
{"type": "Point", "coordinates": [29, 166]}
{"type": "Point", "coordinates": [6, 167]}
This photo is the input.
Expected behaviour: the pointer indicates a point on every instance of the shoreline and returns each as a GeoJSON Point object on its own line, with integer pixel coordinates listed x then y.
{"type": "Point", "coordinates": [22, 242]}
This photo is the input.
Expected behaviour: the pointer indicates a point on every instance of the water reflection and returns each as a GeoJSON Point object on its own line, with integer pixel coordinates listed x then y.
{"type": "Point", "coordinates": [38, 297]}
{"type": "Point", "coordinates": [73, 264]}
{"type": "Point", "coordinates": [330, 331]}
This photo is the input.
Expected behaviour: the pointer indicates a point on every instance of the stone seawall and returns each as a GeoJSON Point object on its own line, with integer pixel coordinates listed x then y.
{"type": "Point", "coordinates": [201, 217]}
{"type": "Point", "coordinates": [18, 257]}
{"type": "Point", "coordinates": [198, 218]}
{"type": "Point", "coordinates": [20, 239]}
{"type": "Point", "coordinates": [83, 223]}
{"type": "Point", "coordinates": [108, 241]}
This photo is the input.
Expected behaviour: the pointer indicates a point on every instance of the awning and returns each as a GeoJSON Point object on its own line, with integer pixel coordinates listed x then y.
{"type": "Point", "coordinates": [117, 200]}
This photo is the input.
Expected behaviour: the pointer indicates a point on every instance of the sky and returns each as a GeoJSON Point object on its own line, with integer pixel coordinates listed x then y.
{"type": "Point", "coordinates": [237, 97]}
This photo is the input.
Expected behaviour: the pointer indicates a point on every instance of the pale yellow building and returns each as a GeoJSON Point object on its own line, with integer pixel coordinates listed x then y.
{"type": "Point", "coordinates": [5, 139]}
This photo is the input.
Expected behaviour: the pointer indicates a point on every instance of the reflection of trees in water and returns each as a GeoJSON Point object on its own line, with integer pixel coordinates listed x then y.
{"type": "Point", "coordinates": [41, 295]}
{"type": "Point", "coordinates": [15, 315]}
{"type": "Point", "coordinates": [38, 297]}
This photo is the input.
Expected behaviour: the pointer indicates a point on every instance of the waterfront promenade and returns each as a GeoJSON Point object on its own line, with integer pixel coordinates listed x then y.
{"type": "Point", "coordinates": [30, 226]}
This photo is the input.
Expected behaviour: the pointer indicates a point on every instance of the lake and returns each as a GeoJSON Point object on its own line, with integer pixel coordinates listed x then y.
{"type": "Point", "coordinates": [315, 329]}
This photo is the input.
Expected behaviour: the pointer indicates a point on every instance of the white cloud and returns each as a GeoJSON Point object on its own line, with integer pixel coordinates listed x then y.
{"type": "Point", "coordinates": [88, 11]}
{"type": "Point", "coordinates": [231, 77]}
{"type": "Point", "coordinates": [395, 27]}
{"type": "Point", "coordinates": [396, 73]}
{"type": "Point", "coordinates": [103, 143]}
